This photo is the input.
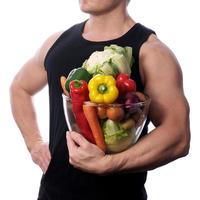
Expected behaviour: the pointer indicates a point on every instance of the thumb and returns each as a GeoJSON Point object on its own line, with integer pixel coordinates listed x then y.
{"type": "Point", "coordinates": [78, 138]}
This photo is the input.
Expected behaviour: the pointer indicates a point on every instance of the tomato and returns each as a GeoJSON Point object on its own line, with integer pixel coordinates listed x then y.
{"type": "Point", "coordinates": [101, 111]}
{"type": "Point", "coordinates": [115, 113]}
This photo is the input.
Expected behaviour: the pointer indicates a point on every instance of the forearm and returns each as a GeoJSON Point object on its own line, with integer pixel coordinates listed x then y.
{"type": "Point", "coordinates": [24, 115]}
{"type": "Point", "coordinates": [154, 150]}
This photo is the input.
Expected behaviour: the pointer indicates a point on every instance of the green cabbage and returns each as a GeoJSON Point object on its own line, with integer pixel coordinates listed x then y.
{"type": "Point", "coordinates": [113, 132]}
{"type": "Point", "coordinates": [112, 61]}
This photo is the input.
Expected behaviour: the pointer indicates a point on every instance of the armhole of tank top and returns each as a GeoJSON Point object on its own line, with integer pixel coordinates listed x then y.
{"type": "Point", "coordinates": [145, 38]}
{"type": "Point", "coordinates": [55, 43]}
{"type": "Point", "coordinates": [51, 48]}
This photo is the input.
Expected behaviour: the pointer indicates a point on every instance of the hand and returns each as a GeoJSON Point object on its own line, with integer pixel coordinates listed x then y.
{"type": "Point", "coordinates": [41, 155]}
{"type": "Point", "coordinates": [85, 155]}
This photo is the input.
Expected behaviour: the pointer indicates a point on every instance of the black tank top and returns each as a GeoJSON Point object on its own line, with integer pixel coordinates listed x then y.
{"type": "Point", "coordinates": [63, 181]}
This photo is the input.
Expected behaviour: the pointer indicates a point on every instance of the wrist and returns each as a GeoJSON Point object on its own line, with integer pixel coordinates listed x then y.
{"type": "Point", "coordinates": [33, 142]}
{"type": "Point", "coordinates": [114, 163]}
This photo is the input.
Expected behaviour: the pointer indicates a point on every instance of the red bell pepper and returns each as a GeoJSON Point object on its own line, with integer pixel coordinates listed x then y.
{"type": "Point", "coordinates": [79, 93]}
{"type": "Point", "coordinates": [125, 84]}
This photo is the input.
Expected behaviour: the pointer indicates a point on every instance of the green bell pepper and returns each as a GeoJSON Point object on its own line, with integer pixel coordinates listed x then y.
{"type": "Point", "coordinates": [77, 74]}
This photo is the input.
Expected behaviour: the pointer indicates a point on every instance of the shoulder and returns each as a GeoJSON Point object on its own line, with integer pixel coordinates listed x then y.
{"type": "Point", "coordinates": [47, 44]}
{"type": "Point", "coordinates": [155, 48]}
{"type": "Point", "coordinates": [50, 41]}
{"type": "Point", "coordinates": [54, 39]}
{"type": "Point", "coordinates": [157, 58]}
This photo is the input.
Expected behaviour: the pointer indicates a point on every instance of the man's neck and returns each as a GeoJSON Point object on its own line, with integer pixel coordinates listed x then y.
{"type": "Point", "coordinates": [107, 26]}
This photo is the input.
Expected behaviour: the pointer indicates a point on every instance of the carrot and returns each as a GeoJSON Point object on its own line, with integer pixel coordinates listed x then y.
{"type": "Point", "coordinates": [63, 80]}
{"type": "Point", "coordinates": [91, 116]}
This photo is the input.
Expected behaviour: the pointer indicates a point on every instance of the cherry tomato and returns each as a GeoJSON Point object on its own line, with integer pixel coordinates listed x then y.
{"type": "Point", "coordinates": [115, 113]}
{"type": "Point", "coordinates": [101, 111]}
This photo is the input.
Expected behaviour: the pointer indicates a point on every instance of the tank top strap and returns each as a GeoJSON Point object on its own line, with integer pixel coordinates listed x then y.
{"type": "Point", "coordinates": [140, 36]}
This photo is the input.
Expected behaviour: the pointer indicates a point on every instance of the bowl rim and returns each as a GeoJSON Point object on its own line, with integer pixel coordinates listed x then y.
{"type": "Point", "coordinates": [142, 103]}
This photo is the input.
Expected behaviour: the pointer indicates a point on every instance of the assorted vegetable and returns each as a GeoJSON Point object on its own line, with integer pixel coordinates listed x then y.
{"type": "Point", "coordinates": [63, 80]}
{"type": "Point", "coordinates": [92, 118]}
{"type": "Point", "coordinates": [112, 61]}
{"type": "Point", "coordinates": [79, 94]}
{"type": "Point", "coordinates": [79, 90]}
{"type": "Point", "coordinates": [101, 112]}
{"type": "Point", "coordinates": [102, 89]}
{"type": "Point", "coordinates": [77, 74]}
{"type": "Point", "coordinates": [104, 97]}
{"type": "Point", "coordinates": [128, 124]}
{"type": "Point", "coordinates": [115, 113]}
{"type": "Point", "coordinates": [113, 132]}
{"type": "Point", "coordinates": [125, 84]}
{"type": "Point", "coordinates": [116, 137]}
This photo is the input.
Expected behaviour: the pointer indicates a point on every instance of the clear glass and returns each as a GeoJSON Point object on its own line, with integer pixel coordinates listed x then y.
{"type": "Point", "coordinates": [121, 134]}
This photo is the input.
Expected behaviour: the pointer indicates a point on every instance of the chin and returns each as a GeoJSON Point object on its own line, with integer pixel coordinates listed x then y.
{"type": "Point", "coordinates": [85, 5]}
{"type": "Point", "coordinates": [97, 6]}
{"type": "Point", "coordinates": [88, 6]}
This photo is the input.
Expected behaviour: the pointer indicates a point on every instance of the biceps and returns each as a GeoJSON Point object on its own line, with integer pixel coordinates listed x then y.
{"type": "Point", "coordinates": [169, 104]}
{"type": "Point", "coordinates": [31, 78]}
{"type": "Point", "coordinates": [165, 88]}
{"type": "Point", "coordinates": [170, 109]}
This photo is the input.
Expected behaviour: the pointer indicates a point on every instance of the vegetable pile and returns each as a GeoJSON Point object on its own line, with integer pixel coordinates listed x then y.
{"type": "Point", "coordinates": [112, 61]}
{"type": "Point", "coordinates": [105, 101]}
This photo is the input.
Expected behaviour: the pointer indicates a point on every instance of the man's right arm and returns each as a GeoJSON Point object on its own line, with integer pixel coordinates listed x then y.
{"type": "Point", "coordinates": [29, 80]}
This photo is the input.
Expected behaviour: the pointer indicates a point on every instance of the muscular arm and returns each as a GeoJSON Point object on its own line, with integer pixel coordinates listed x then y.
{"type": "Point", "coordinates": [169, 112]}
{"type": "Point", "coordinates": [29, 80]}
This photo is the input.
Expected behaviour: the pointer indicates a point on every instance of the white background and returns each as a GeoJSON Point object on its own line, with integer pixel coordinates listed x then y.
{"type": "Point", "coordinates": [24, 27]}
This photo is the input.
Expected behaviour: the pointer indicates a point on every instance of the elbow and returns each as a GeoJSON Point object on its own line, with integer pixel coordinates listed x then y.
{"type": "Point", "coordinates": [16, 89]}
{"type": "Point", "coordinates": [184, 151]}
{"type": "Point", "coordinates": [12, 88]}
{"type": "Point", "coordinates": [13, 93]}
{"type": "Point", "coordinates": [185, 133]}
{"type": "Point", "coordinates": [184, 144]}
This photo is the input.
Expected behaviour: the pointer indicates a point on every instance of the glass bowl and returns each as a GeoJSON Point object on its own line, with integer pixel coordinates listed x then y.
{"type": "Point", "coordinates": [121, 124]}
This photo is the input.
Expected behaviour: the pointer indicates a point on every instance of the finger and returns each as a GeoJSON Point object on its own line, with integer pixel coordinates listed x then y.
{"type": "Point", "coordinates": [78, 138]}
{"type": "Point", "coordinates": [70, 143]}
{"type": "Point", "coordinates": [45, 152]}
{"type": "Point", "coordinates": [46, 162]}
{"type": "Point", "coordinates": [71, 161]}
{"type": "Point", "coordinates": [37, 158]}
{"type": "Point", "coordinates": [41, 165]}
{"type": "Point", "coordinates": [48, 154]}
{"type": "Point", "coordinates": [44, 168]}
{"type": "Point", "coordinates": [44, 157]}
{"type": "Point", "coordinates": [40, 160]}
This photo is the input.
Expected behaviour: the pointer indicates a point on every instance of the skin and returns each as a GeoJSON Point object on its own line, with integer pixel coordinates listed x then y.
{"type": "Point", "coordinates": [21, 92]}
{"type": "Point", "coordinates": [161, 76]}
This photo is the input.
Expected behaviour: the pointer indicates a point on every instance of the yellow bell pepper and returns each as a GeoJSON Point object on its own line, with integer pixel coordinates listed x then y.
{"type": "Point", "coordinates": [102, 89]}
